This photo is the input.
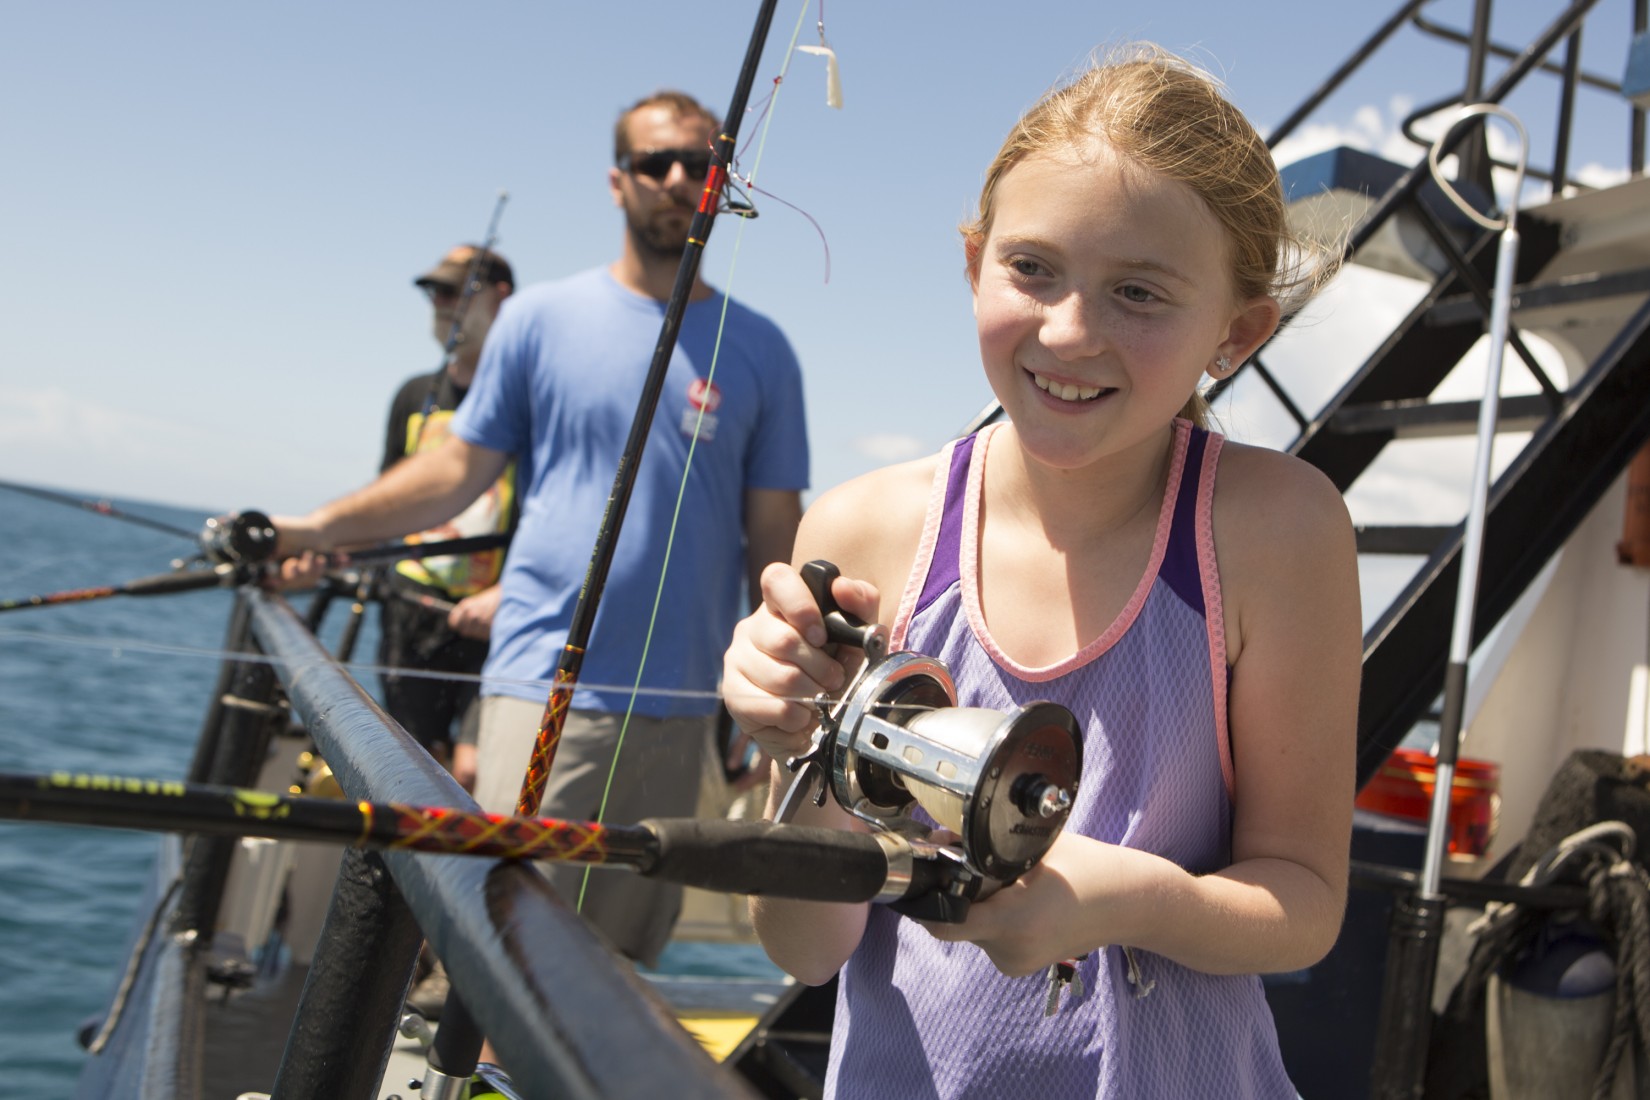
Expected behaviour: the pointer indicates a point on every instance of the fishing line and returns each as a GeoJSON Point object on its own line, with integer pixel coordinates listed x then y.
{"type": "Point", "coordinates": [117, 647]}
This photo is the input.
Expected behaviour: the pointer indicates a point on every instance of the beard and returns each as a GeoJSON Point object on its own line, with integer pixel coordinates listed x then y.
{"type": "Point", "coordinates": [662, 234]}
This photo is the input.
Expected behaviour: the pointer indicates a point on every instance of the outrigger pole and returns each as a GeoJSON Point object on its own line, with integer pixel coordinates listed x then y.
{"type": "Point", "coordinates": [741, 857]}
{"type": "Point", "coordinates": [1417, 925]}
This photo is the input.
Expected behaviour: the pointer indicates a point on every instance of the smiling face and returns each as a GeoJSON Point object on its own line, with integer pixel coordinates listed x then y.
{"type": "Point", "coordinates": [1102, 292]}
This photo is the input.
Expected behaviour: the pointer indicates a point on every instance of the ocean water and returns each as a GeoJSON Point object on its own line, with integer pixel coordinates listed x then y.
{"type": "Point", "coordinates": [116, 686]}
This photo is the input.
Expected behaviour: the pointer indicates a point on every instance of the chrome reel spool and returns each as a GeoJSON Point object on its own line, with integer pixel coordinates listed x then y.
{"type": "Point", "coordinates": [1003, 782]}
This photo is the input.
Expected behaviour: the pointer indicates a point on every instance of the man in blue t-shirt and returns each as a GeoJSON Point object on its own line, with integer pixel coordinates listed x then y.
{"type": "Point", "coordinates": [560, 375]}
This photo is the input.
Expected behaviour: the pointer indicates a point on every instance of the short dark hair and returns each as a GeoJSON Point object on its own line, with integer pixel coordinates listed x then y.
{"type": "Point", "coordinates": [679, 103]}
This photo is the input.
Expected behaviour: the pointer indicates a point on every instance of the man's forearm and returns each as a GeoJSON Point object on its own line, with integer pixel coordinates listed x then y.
{"type": "Point", "coordinates": [416, 494]}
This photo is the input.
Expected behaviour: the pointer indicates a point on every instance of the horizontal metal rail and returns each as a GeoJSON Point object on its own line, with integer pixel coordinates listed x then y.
{"type": "Point", "coordinates": [567, 1017]}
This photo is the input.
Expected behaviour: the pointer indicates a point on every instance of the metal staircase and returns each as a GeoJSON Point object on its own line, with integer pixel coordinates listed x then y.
{"type": "Point", "coordinates": [1583, 281]}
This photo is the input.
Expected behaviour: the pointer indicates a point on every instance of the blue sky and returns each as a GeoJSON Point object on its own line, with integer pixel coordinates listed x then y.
{"type": "Point", "coordinates": [212, 212]}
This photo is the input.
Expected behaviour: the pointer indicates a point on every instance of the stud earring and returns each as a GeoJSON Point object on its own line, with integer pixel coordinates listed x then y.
{"type": "Point", "coordinates": [1223, 365]}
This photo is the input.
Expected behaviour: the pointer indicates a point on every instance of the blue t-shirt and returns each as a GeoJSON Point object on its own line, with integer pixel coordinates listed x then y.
{"type": "Point", "coordinates": [560, 378]}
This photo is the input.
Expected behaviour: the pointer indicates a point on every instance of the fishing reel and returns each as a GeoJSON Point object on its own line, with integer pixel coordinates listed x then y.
{"type": "Point", "coordinates": [243, 538]}
{"type": "Point", "coordinates": [896, 741]}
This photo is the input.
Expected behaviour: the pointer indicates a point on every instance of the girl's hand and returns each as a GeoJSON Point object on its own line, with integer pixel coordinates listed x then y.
{"type": "Point", "coordinates": [1057, 910]}
{"type": "Point", "coordinates": [777, 662]}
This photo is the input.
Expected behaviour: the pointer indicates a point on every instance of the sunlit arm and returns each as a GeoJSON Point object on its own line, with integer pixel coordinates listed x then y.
{"type": "Point", "coordinates": [778, 663]}
{"type": "Point", "coordinates": [416, 494]}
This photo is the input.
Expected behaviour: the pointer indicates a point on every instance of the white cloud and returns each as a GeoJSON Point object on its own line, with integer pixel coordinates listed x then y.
{"type": "Point", "coordinates": [1371, 129]}
{"type": "Point", "coordinates": [51, 436]}
{"type": "Point", "coordinates": [1597, 175]}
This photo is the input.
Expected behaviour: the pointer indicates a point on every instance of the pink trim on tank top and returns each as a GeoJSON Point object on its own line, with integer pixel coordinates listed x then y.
{"type": "Point", "coordinates": [1213, 609]}
{"type": "Point", "coordinates": [970, 565]}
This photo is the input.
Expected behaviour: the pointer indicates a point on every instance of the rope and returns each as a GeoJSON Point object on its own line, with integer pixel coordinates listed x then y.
{"type": "Point", "coordinates": [1618, 889]}
{"type": "Point", "coordinates": [1619, 895]}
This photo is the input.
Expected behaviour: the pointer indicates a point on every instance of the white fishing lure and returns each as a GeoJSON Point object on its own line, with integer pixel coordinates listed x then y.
{"type": "Point", "coordinates": [833, 78]}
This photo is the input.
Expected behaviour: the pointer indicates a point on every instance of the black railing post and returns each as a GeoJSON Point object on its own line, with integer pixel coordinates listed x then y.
{"type": "Point", "coordinates": [237, 639]}
{"type": "Point", "coordinates": [247, 713]}
{"type": "Point", "coordinates": [1474, 153]}
{"type": "Point", "coordinates": [1405, 1027]}
{"type": "Point", "coordinates": [1635, 133]}
{"type": "Point", "coordinates": [345, 1023]}
{"type": "Point", "coordinates": [1566, 113]}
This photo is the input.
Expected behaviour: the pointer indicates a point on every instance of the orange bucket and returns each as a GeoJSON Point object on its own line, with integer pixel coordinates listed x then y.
{"type": "Point", "coordinates": [1403, 789]}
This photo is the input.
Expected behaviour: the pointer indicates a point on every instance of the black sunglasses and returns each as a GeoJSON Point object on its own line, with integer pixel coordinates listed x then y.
{"type": "Point", "coordinates": [435, 291]}
{"type": "Point", "coordinates": [656, 163]}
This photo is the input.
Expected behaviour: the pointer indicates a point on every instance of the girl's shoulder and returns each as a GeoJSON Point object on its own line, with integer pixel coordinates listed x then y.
{"type": "Point", "coordinates": [1267, 494]}
{"type": "Point", "coordinates": [870, 526]}
{"type": "Point", "coordinates": [1280, 527]}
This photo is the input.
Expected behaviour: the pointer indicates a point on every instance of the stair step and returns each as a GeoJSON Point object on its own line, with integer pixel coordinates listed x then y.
{"type": "Point", "coordinates": [1401, 539]}
{"type": "Point", "coordinates": [1462, 308]}
{"type": "Point", "coordinates": [1423, 419]}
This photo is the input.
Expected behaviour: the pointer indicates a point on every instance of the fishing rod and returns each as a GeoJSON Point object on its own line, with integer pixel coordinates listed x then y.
{"type": "Point", "coordinates": [236, 546]}
{"type": "Point", "coordinates": [458, 1043]}
{"type": "Point", "coordinates": [472, 283]}
{"type": "Point", "coordinates": [455, 331]}
{"type": "Point", "coordinates": [740, 857]}
{"type": "Point", "coordinates": [98, 507]}
{"type": "Point", "coordinates": [161, 584]}
{"type": "Point", "coordinates": [607, 536]}
{"type": "Point", "coordinates": [422, 599]}
{"type": "Point", "coordinates": [248, 538]}
{"type": "Point", "coordinates": [401, 551]}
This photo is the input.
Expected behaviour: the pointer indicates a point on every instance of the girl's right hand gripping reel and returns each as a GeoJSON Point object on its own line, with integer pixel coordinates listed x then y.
{"type": "Point", "coordinates": [896, 751]}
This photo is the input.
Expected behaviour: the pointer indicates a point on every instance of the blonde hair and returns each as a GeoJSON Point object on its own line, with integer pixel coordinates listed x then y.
{"type": "Point", "coordinates": [1163, 114]}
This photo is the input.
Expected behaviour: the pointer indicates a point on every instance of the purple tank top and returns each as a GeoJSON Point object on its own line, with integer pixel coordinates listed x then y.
{"type": "Point", "coordinates": [916, 1017]}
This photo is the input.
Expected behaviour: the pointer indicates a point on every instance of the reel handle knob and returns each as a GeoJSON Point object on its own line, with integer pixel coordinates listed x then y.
{"type": "Point", "coordinates": [1037, 796]}
{"type": "Point", "coordinates": [840, 626]}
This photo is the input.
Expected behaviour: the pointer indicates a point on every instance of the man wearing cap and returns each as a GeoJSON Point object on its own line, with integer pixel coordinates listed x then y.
{"type": "Point", "coordinates": [717, 496]}
{"type": "Point", "coordinates": [437, 612]}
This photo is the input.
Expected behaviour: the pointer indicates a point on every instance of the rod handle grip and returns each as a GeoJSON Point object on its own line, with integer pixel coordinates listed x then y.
{"type": "Point", "coordinates": [790, 861]}
{"type": "Point", "coordinates": [184, 580]}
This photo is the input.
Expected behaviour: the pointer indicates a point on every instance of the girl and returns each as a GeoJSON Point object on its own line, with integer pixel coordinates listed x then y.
{"type": "Point", "coordinates": [1193, 602]}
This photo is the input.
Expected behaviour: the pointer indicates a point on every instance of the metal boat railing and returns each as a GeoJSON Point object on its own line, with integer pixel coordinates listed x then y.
{"type": "Point", "coordinates": [566, 1015]}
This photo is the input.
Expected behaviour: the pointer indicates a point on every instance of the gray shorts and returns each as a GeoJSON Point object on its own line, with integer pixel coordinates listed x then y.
{"type": "Point", "coordinates": [657, 775]}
